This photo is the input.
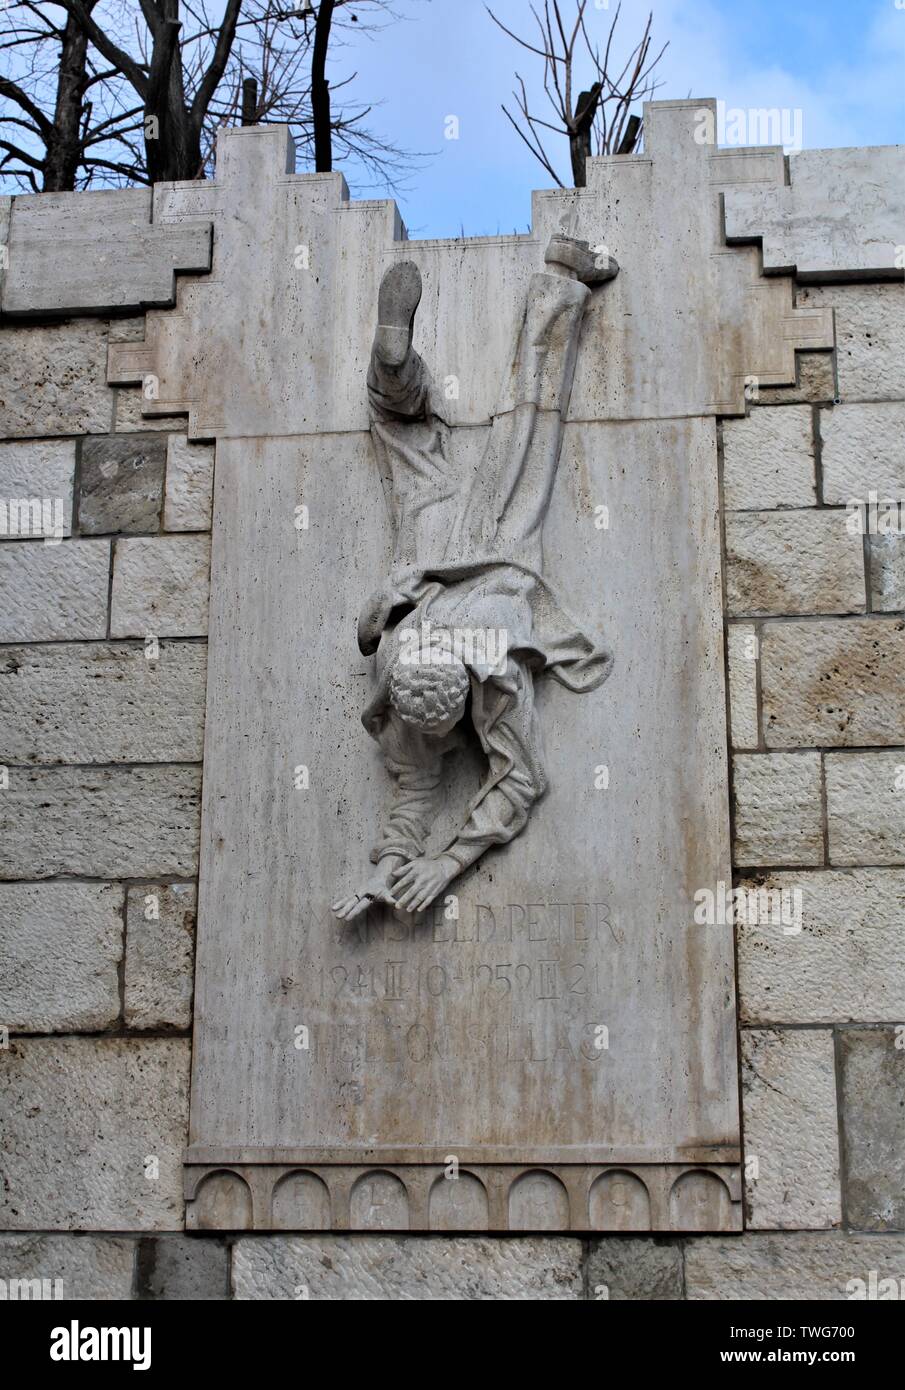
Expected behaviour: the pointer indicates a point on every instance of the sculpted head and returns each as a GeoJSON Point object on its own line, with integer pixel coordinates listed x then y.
{"type": "Point", "coordinates": [429, 695]}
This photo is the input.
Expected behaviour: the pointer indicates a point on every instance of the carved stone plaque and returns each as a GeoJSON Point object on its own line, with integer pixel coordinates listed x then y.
{"type": "Point", "coordinates": [550, 1043]}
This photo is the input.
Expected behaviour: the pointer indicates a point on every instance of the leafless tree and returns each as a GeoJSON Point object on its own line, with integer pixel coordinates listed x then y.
{"type": "Point", "coordinates": [597, 119]}
{"type": "Point", "coordinates": [61, 118]}
{"type": "Point", "coordinates": [284, 52]}
{"type": "Point", "coordinates": [111, 94]}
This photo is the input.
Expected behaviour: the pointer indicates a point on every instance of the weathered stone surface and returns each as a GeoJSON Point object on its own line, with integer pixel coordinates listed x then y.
{"type": "Point", "coordinates": [405, 1268]}
{"type": "Point", "coordinates": [160, 954]}
{"type": "Point", "coordinates": [862, 452]}
{"type": "Point", "coordinates": [87, 1267]}
{"type": "Point", "coordinates": [6, 208]}
{"type": "Point", "coordinates": [826, 1267]}
{"type": "Point", "coordinates": [793, 562]}
{"type": "Point", "coordinates": [128, 415]}
{"type": "Point", "coordinates": [60, 949]}
{"type": "Point", "coordinates": [94, 1131]}
{"type": "Point", "coordinates": [121, 484]}
{"type": "Point", "coordinates": [264, 638]}
{"type": "Point", "coordinates": [778, 817]}
{"type": "Point", "coordinates": [840, 216]}
{"type": "Point", "coordinates": [846, 964]}
{"type": "Point", "coordinates": [130, 822]}
{"type": "Point", "coordinates": [815, 381]}
{"type": "Point", "coordinates": [161, 585]}
{"type": "Point", "coordinates": [743, 658]}
{"type": "Point", "coordinates": [872, 1078]}
{"type": "Point", "coordinates": [72, 252]}
{"type": "Point", "coordinates": [833, 683]}
{"type": "Point", "coordinates": [768, 459]}
{"type": "Point", "coordinates": [53, 380]}
{"type": "Point", "coordinates": [887, 573]}
{"type": "Point", "coordinates": [865, 804]}
{"type": "Point", "coordinates": [629, 1268]}
{"type": "Point", "coordinates": [190, 482]}
{"type": "Point", "coordinates": [178, 1267]}
{"type": "Point", "coordinates": [102, 703]}
{"type": "Point", "coordinates": [789, 1108]}
{"type": "Point", "coordinates": [37, 468]}
{"type": "Point", "coordinates": [54, 591]}
{"type": "Point", "coordinates": [870, 337]}
{"type": "Point", "coordinates": [346, 247]}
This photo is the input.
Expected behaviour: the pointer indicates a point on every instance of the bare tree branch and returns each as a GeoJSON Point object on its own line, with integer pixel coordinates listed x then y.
{"type": "Point", "coordinates": [600, 114]}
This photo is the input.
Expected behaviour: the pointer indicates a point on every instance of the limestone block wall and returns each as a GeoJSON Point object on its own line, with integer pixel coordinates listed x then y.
{"type": "Point", "coordinates": [102, 686]}
{"type": "Point", "coordinates": [816, 661]}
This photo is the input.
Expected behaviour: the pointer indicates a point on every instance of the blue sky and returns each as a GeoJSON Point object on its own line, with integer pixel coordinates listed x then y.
{"type": "Point", "coordinates": [842, 65]}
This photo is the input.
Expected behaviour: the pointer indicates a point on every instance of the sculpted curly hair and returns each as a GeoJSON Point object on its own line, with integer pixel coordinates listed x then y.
{"type": "Point", "coordinates": [428, 693]}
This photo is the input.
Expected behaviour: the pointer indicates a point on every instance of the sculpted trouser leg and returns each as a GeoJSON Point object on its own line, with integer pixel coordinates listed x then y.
{"type": "Point", "coordinates": [410, 438]}
{"type": "Point", "coordinates": [504, 509]}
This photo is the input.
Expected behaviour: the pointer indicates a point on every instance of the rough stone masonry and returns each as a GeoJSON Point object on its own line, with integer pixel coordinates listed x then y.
{"type": "Point", "coordinates": [777, 444]}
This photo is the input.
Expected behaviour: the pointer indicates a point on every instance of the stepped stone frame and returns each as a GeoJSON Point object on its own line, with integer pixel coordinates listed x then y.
{"type": "Point", "coordinates": [466, 1043]}
{"type": "Point", "coordinates": [554, 1049]}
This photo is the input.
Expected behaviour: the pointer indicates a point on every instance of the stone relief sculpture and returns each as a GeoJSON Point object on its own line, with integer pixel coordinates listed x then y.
{"type": "Point", "coordinates": [466, 620]}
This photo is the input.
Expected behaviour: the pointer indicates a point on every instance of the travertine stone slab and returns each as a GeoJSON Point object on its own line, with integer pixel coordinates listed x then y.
{"type": "Point", "coordinates": [873, 1125]}
{"type": "Point", "coordinates": [93, 252]}
{"type": "Point", "coordinates": [778, 817]}
{"type": "Point", "coordinates": [865, 805]}
{"type": "Point", "coordinates": [189, 486]}
{"type": "Point", "coordinates": [6, 207]}
{"type": "Point", "coordinates": [833, 682]}
{"type": "Point", "coordinates": [312, 250]}
{"type": "Point", "coordinates": [870, 331]}
{"type": "Point", "coordinates": [394, 1268]}
{"type": "Point", "coordinates": [743, 644]}
{"type": "Point", "coordinates": [42, 469]}
{"type": "Point", "coordinates": [793, 562]}
{"type": "Point", "coordinates": [791, 1139]}
{"type": "Point", "coordinates": [843, 961]}
{"type": "Point", "coordinates": [114, 822]}
{"type": "Point", "coordinates": [160, 585]}
{"type": "Point", "coordinates": [160, 955]}
{"type": "Point", "coordinates": [60, 949]}
{"type": "Point", "coordinates": [87, 1267]}
{"type": "Point", "coordinates": [839, 218]}
{"type": "Point", "coordinates": [824, 1266]}
{"type": "Point", "coordinates": [887, 573]}
{"type": "Point", "coordinates": [768, 459]}
{"type": "Point", "coordinates": [261, 631]}
{"type": "Point", "coordinates": [862, 452]}
{"type": "Point", "coordinates": [121, 484]}
{"type": "Point", "coordinates": [94, 1130]}
{"type": "Point", "coordinates": [102, 702]}
{"type": "Point", "coordinates": [53, 379]}
{"type": "Point", "coordinates": [54, 591]}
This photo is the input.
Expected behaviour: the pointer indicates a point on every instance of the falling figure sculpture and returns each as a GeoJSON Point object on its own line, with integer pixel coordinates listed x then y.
{"type": "Point", "coordinates": [466, 611]}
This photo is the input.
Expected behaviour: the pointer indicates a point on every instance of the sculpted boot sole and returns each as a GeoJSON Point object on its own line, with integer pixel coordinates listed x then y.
{"type": "Point", "coordinates": [576, 256]}
{"type": "Point", "coordinates": [399, 297]}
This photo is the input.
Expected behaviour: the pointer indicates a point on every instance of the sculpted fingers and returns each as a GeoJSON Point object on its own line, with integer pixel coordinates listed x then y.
{"type": "Point", "coordinates": [406, 900]}
{"type": "Point", "coordinates": [351, 907]}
